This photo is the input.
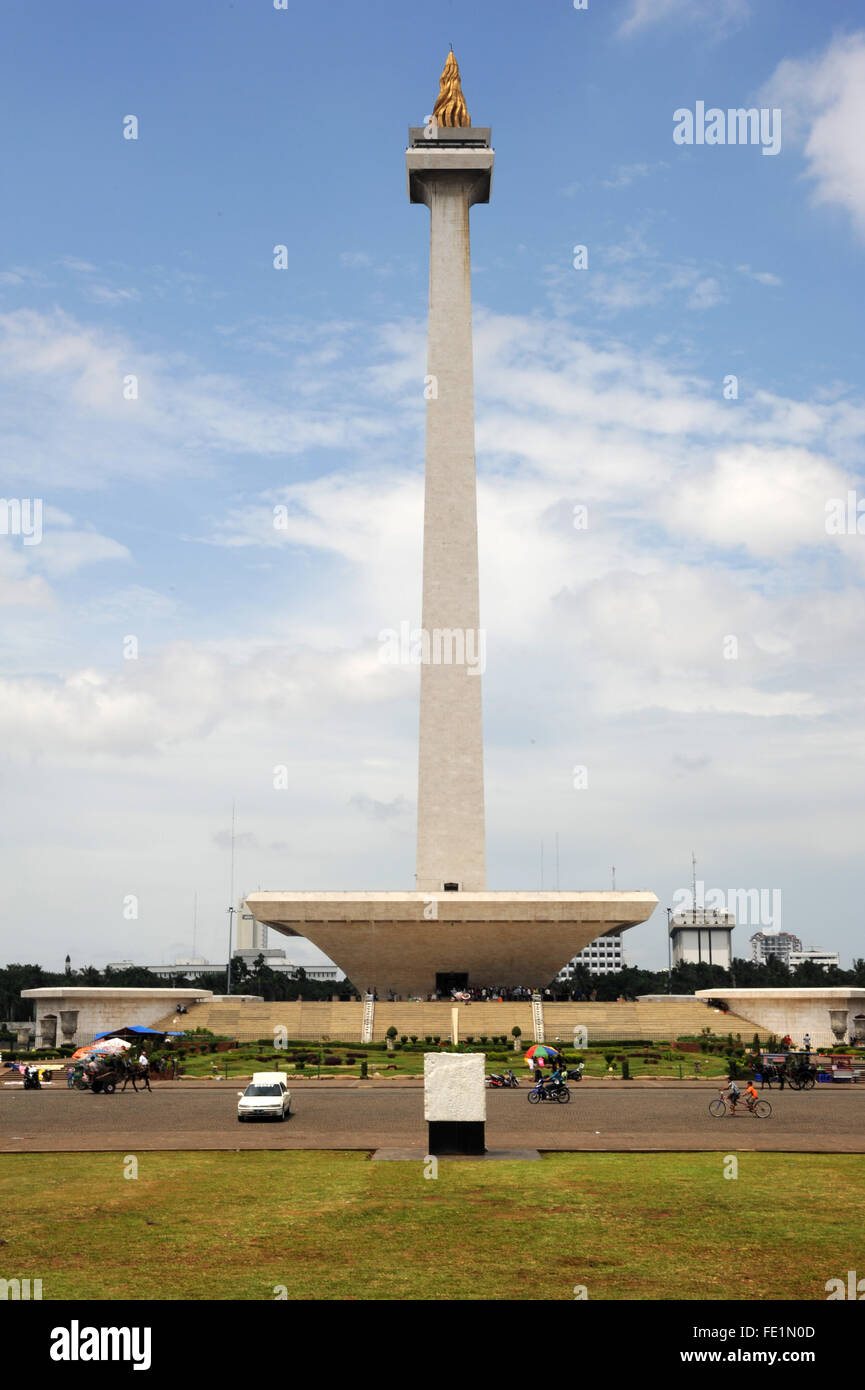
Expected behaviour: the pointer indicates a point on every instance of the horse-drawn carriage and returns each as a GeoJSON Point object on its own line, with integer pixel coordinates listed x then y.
{"type": "Point", "coordinates": [103, 1074]}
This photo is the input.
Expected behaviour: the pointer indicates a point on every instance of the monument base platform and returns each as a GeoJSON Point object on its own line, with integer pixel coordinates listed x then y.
{"type": "Point", "coordinates": [420, 943]}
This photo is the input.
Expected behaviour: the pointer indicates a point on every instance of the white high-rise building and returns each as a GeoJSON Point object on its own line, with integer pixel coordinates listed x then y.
{"type": "Point", "coordinates": [251, 934]}
{"type": "Point", "coordinates": [812, 956]}
{"type": "Point", "coordinates": [765, 944]}
{"type": "Point", "coordinates": [603, 956]}
{"type": "Point", "coordinates": [702, 936]}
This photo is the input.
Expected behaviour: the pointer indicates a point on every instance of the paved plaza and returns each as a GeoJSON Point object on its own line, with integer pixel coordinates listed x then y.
{"type": "Point", "coordinates": [370, 1116]}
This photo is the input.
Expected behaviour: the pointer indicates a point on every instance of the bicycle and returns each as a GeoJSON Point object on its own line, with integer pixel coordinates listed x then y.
{"type": "Point", "coordinates": [718, 1107]}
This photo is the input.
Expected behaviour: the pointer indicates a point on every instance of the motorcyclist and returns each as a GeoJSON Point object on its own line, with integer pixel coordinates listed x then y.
{"type": "Point", "coordinates": [557, 1076]}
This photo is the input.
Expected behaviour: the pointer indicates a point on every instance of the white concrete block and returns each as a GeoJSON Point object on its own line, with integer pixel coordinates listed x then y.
{"type": "Point", "coordinates": [454, 1086]}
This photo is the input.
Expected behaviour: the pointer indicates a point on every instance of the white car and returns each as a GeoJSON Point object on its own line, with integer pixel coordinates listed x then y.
{"type": "Point", "coordinates": [266, 1097]}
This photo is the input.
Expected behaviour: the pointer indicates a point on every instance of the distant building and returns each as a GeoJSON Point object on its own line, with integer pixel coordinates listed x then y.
{"type": "Point", "coordinates": [701, 936]}
{"type": "Point", "coordinates": [814, 957]}
{"type": "Point", "coordinates": [778, 944]}
{"type": "Point", "coordinates": [275, 959]}
{"type": "Point", "coordinates": [186, 966]}
{"type": "Point", "coordinates": [603, 956]}
{"type": "Point", "coordinates": [251, 934]}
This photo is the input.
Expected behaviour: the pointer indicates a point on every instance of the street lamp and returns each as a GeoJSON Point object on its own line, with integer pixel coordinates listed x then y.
{"type": "Point", "coordinates": [669, 950]}
{"type": "Point", "coordinates": [231, 912]}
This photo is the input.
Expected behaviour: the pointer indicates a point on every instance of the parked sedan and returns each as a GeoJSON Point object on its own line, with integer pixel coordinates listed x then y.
{"type": "Point", "coordinates": [266, 1097]}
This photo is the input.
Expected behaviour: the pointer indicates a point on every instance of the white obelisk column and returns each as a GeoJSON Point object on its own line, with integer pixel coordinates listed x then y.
{"type": "Point", "coordinates": [449, 177]}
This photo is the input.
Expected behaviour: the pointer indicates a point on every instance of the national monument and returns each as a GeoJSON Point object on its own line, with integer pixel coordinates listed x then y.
{"type": "Point", "coordinates": [450, 930]}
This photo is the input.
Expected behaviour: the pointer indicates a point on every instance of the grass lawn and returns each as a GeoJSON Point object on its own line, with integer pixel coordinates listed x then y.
{"type": "Point", "coordinates": [337, 1226]}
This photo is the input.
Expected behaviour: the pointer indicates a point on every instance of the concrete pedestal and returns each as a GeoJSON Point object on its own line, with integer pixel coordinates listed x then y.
{"type": "Point", "coordinates": [455, 1102]}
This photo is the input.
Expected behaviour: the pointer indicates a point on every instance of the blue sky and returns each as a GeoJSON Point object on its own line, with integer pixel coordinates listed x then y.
{"type": "Point", "coordinates": [303, 386]}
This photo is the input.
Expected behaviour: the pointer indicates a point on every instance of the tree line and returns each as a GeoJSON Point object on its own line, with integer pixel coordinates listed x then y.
{"type": "Point", "coordinates": [259, 979]}
{"type": "Point", "coordinates": [278, 985]}
{"type": "Point", "coordinates": [686, 979]}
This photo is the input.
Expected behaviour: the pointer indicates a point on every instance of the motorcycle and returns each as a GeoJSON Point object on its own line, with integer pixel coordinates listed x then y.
{"type": "Point", "coordinates": [496, 1080]}
{"type": "Point", "coordinates": [549, 1090]}
{"type": "Point", "coordinates": [31, 1080]}
{"type": "Point", "coordinates": [576, 1074]}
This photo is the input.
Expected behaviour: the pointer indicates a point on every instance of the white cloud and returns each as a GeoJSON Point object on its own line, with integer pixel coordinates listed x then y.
{"type": "Point", "coordinates": [769, 501]}
{"type": "Point", "coordinates": [74, 263]}
{"type": "Point", "coordinates": [763, 277]}
{"type": "Point", "coordinates": [22, 275]}
{"type": "Point", "coordinates": [720, 16]}
{"type": "Point", "coordinates": [705, 294]}
{"type": "Point", "coordinates": [823, 104]}
{"type": "Point", "coordinates": [135, 601]}
{"type": "Point", "coordinates": [105, 294]}
{"type": "Point", "coordinates": [625, 174]}
{"type": "Point", "coordinates": [381, 810]}
{"type": "Point", "coordinates": [605, 645]}
{"type": "Point", "coordinates": [70, 378]}
{"type": "Point", "coordinates": [638, 278]}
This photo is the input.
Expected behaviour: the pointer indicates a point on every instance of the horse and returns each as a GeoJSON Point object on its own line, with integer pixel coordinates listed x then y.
{"type": "Point", "coordinates": [133, 1071]}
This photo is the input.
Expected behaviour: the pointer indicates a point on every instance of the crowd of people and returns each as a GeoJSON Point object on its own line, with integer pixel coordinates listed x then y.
{"type": "Point", "coordinates": [491, 994]}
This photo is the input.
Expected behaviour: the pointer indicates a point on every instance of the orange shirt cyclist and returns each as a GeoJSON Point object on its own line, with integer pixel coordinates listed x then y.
{"type": "Point", "coordinates": [750, 1095]}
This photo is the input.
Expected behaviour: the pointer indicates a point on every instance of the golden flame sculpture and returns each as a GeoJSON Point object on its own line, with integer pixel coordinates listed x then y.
{"type": "Point", "coordinates": [450, 107]}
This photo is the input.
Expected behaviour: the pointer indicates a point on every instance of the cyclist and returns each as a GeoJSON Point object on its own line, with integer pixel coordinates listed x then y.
{"type": "Point", "coordinates": [751, 1095]}
{"type": "Point", "coordinates": [732, 1094]}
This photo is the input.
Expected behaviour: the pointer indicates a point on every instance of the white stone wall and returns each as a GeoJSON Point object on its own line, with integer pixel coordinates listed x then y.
{"type": "Point", "coordinates": [793, 1011]}
{"type": "Point", "coordinates": [100, 1010]}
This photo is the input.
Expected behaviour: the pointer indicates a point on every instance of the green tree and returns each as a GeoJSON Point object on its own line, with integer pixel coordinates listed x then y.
{"type": "Point", "coordinates": [239, 974]}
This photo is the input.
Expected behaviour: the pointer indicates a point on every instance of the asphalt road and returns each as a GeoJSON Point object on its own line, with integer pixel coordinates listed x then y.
{"type": "Point", "coordinates": [827, 1120]}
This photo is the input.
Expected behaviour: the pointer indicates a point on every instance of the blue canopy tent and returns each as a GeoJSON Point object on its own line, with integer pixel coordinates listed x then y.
{"type": "Point", "coordinates": [136, 1030]}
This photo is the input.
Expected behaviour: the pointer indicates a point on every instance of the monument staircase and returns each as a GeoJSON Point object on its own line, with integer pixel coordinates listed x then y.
{"type": "Point", "coordinates": [537, 1018]}
{"type": "Point", "coordinates": [345, 1022]}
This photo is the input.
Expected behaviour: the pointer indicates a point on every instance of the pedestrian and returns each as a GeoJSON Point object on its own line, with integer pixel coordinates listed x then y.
{"type": "Point", "coordinates": [806, 1043]}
